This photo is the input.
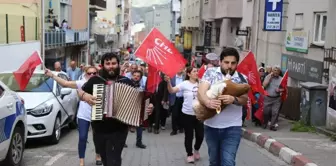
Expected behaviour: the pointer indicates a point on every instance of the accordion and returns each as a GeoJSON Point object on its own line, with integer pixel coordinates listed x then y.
{"type": "Point", "coordinates": [119, 101]}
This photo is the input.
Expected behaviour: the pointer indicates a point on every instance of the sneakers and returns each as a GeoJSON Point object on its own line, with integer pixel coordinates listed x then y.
{"type": "Point", "coordinates": [197, 155]}
{"type": "Point", "coordinates": [190, 159]}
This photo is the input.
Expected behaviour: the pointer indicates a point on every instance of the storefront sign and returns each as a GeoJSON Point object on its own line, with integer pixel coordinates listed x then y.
{"type": "Point", "coordinates": [297, 41]}
{"type": "Point", "coordinates": [273, 15]}
{"type": "Point", "coordinates": [302, 69]}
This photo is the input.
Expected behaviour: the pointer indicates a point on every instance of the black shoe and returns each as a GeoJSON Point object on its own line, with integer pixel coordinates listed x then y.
{"type": "Point", "coordinates": [150, 129]}
{"type": "Point", "coordinates": [141, 145]}
{"type": "Point", "coordinates": [173, 133]}
{"type": "Point", "coordinates": [156, 131]}
{"type": "Point", "coordinates": [99, 162]}
{"type": "Point", "coordinates": [125, 146]}
{"type": "Point", "coordinates": [181, 131]}
{"type": "Point", "coordinates": [264, 126]}
{"type": "Point", "coordinates": [273, 128]}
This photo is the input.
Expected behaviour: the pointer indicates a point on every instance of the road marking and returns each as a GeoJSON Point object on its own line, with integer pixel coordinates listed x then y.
{"type": "Point", "coordinates": [52, 160]}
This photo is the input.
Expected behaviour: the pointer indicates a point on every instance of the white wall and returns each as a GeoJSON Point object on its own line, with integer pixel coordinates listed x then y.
{"type": "Point", "coordinates": [17, 54]}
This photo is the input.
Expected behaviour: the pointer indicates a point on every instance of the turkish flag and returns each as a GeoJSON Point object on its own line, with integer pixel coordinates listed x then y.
{"type": "Point", "coordinates": [24, 73]}
{"type": "Point", "coordinates": [201, 71]}
{"type": "Point", "coordinates": [248, 67]}
{"type": "Point", "coordinates": [156, 50]}
{"type": "Point", "coordinates": [283, 84]}
{"type": "Point", "coordinates": [153, 79]}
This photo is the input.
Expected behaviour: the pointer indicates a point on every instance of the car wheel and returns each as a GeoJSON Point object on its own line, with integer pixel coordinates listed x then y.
{"type": "Point", "coordinates": [56, 135]}
{"type": "Point", "coordinates": [16, 148]}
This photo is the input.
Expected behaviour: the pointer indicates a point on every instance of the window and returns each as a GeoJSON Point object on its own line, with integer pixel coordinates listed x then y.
{"type": "Point", "coordinates": [37, 83]}
{"type": "Point", "coordinates": [157, 14]}
{"type": "Point", "coordinates": [157, 24]}
{"type": "Point", "coordinates": [59, 87]}
{"type": "Point", "coordinates": [2, 90]}
{"type": "Point", "coordinates": [206, 1]}
{"type": "Point", "coordinates": [320, 28]}
{"type": "Point", "coordinates": [298, 22]}
{"type": "Point", "coordinates": [217, 35]}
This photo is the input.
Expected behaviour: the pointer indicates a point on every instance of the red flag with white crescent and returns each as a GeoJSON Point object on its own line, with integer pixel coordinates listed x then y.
{"type": "Point", "coordinates": [25, 72]}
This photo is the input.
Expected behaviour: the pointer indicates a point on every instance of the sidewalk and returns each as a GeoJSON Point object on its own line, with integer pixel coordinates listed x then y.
{"type": "Point", "coordinates": [316, 147]}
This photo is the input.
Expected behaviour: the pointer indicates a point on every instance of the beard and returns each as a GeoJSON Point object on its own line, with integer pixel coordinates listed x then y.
{"type": "Point", "coordinates": [229, 71]}
{"type": "Point", "coordinates": [110, 75]}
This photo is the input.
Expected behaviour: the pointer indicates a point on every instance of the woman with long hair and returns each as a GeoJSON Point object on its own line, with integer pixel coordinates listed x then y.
{"type": "Point", "coordinates": [189, 88]}
{"type": "Point", "coordinates": [83, 113]}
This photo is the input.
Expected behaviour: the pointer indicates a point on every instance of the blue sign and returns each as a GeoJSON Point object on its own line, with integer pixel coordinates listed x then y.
{"type": "Point", "coordinates": [273, 15]}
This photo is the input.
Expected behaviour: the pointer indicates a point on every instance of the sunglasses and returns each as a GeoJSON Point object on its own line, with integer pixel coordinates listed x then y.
{"type": "Point", "coordinates": [94, 73]}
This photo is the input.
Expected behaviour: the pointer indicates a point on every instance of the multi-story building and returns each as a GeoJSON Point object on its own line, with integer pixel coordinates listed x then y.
{"type": "Point", "coordinates": [123, 22]}
{"type": "Point", "coordinates": [160, 17]}
{"type": "Point", "coordinates": [191, 26]}
{"type": "Point", "coordinates": [20, 31]}
{"type": "Point", "coordinates": [223, 19]}
{"type": "Point", "coordinates": [176, 14]}
{"type": "Point", "coordinates": [66, 43]}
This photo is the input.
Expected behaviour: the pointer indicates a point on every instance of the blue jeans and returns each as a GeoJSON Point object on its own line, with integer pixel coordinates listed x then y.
{"type": "Point", "coordinates": [222, 145]}
{"type": "Point", "coordinates": [83, 129]}
{"type": "Point", "coordinates": [139, 135]}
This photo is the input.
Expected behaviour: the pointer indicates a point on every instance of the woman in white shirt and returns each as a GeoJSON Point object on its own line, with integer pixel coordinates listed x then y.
{"type": "Point", "coordinates": [83, 113]}
{"type": "Point", "coordinates": [189, 88]}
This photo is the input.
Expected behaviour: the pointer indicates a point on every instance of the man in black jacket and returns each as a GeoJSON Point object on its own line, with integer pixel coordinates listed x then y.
{"type": "Point", "coordinates": [110, 133]}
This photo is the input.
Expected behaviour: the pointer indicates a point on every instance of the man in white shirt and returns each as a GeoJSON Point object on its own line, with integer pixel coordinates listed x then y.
{"type": "Point", "coordinates": [223, 131]}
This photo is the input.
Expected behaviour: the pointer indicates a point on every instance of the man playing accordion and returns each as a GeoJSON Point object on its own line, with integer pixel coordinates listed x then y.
{"type": "Point", "coordinates": [111, 133]}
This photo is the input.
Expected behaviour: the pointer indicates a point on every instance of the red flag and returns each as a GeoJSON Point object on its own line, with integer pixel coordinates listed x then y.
{"type": "Point", "coordinates": [157, 51]}
{"type": "Point", "coordinates": [153, 79]}
{"type": "Point", "coordinates": [201, 71]}
{"type": "Point", "coordinates": [248, 67]}
{"type": "Point", "coordinates": [283, 84]}
{"type": "Point", "coordinates": [24, 73]}
{"type": "Point", "coordinates": [259, 114]}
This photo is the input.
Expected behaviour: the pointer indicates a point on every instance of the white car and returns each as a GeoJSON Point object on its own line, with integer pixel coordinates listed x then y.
{"type": "Point", "coordinates": [13, 127]}
{"type": "Point", "coordinates": [50, 107]}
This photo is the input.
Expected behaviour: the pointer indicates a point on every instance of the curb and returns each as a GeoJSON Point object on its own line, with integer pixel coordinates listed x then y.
{"type": "Point", "coordinates": [277, 149]}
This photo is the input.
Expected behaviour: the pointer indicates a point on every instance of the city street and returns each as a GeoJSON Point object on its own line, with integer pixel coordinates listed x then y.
{"type": "Point", "coordinates": [162, 150]}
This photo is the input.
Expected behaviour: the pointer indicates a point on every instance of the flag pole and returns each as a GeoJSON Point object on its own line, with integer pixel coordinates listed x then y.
{"type": "Point", "coordinates": [42, 35]}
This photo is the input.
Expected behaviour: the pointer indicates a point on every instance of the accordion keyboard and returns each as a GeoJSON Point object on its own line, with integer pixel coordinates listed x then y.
{"type": "Point", "coordinates": [98, 108]}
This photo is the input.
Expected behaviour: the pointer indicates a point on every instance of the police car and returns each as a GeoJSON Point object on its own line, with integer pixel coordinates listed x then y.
{"type": "Point", "coordinates": [13, 127]}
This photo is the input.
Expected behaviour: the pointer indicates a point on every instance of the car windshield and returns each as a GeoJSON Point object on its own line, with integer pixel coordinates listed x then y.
{"type": "Point", "coordinates": [37, 83]}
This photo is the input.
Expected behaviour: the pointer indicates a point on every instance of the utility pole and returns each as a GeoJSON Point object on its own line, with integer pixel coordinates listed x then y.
{"type": "Point", "coordinates": [42, 35]}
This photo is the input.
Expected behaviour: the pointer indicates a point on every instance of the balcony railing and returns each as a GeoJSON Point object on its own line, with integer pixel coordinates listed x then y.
{"type": "Point", "coordinates": [98, 4]}
{"type": "Point", "coordinates": [60, 38]}
{"type": "Point", "coordinates": [14, 29]}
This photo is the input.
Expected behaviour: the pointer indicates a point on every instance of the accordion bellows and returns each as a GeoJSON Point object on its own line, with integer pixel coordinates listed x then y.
{"type": "Point", "coordinates": [119, 101]}
{"type": "Point", "coordinates": [225, 87]}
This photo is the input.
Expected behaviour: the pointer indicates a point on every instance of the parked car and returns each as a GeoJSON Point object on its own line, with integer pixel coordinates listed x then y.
{"type": "Point", "coordinates": [50, 107]}
{"type": "Point", "coordinates": [13, 127]}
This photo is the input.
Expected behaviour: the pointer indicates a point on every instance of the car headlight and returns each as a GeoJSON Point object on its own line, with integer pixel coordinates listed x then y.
{"type": "Point", "coordinates": [41, 110]}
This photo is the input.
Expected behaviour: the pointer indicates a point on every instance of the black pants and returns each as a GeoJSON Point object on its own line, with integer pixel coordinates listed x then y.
{"type": "Point", "coordinates": [110, 146]}
{"type": "Point", "coordinates": [191, 124]}
{"type": "Point", "coordinates": [163, 116]}
{"type": "Point", "coordinates": [177, 114]}
{"type": "Point", "coordinates": [95, 142]}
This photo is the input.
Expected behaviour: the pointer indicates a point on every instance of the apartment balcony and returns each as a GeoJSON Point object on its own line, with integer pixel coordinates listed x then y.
{"type": "Point", "coordinates": [16, 29]}
{"type": "Point", "coordinates": [97, 5]}
{"type": "Point", "coordinates": [54, 39]}
{"type": "Point", "coordinates": [219, 9]}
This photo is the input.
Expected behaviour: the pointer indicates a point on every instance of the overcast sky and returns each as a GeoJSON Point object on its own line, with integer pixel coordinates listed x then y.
{"type": "Point", "coordinates": [141, 3]}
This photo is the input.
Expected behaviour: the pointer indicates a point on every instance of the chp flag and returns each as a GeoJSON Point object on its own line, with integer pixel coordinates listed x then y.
{"type": "Point", "coordinates": [160, 53]}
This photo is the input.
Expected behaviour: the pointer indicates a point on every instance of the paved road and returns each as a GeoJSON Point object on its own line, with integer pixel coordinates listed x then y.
{"type": "Point", "coordinates": [162, 150]}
